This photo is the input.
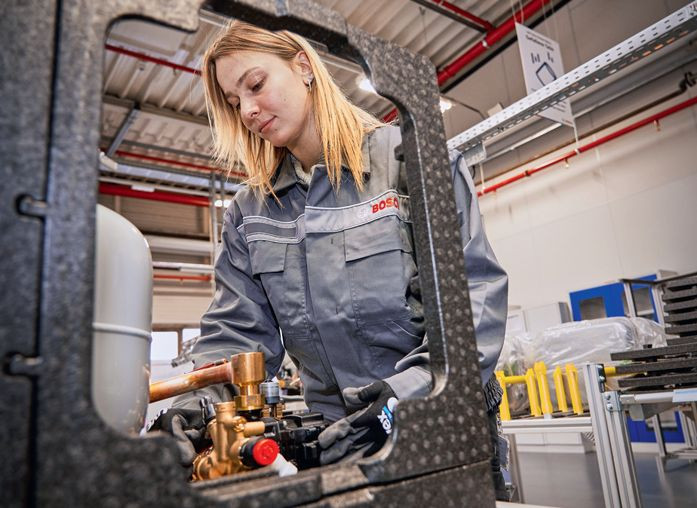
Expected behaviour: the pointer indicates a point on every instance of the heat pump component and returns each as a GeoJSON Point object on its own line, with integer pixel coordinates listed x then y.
{"type": "Point", "coordinates": [122, 320]}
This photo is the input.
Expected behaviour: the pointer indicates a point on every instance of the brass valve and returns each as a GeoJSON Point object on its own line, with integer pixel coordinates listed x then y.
{"type": "Point", "coordinates": [236, 428]}
{"type": "Point", "coordinates": [234, 446]}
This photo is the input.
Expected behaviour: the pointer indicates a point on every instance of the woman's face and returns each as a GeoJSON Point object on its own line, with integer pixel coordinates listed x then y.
{"type": "Point", "coordinates": [270, 95]}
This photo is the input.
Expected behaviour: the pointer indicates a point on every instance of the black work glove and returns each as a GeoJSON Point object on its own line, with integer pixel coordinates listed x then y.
{"type": "Point", "coordinates": [188, 429]}
{"type": "Point", "coordinates": [364, 432]}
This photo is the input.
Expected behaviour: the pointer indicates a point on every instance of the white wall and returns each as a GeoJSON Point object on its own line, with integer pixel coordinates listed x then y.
{"type": "Point", "coordinates": [624, 209]}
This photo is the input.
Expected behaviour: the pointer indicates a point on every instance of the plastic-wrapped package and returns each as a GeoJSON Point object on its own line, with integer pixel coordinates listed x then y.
{"type": "Point", "coordinates": [650, 332]}
{"type": "Point", "coordinates": [578, 342]}
{"type": "Point", "coordinates": [593, 340]}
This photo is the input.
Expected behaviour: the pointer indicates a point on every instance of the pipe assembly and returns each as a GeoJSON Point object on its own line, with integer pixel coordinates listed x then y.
{"type": "Point", "coordinates": [251, 431]}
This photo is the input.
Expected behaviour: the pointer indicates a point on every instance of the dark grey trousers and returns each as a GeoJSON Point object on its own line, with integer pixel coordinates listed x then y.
{"type": "Point", "coordinates": [502, 493]}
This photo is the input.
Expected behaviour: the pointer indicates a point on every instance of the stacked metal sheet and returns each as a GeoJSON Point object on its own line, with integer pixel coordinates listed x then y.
{"type": "Point", "coordinates": [674, 365]}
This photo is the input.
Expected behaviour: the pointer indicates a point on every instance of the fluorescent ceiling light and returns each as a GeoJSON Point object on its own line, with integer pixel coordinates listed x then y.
{"type": "Point", "coordinates": [445, 105]}
{"type": "Point", "coordinates": [220, 203]}
{"type": "Point", "coordinates": [366, 85]}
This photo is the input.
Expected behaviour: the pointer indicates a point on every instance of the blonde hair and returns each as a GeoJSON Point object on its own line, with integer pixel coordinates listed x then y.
{"type": "Point", "coordinates": [341, 125]}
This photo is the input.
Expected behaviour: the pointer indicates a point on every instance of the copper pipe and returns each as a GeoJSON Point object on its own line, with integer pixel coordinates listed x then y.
{"type": "Point", "coordinates": [190, 381]}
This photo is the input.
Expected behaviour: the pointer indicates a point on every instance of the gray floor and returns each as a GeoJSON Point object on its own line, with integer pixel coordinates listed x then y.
{"type": "Point", "coordinates": [573, 481]}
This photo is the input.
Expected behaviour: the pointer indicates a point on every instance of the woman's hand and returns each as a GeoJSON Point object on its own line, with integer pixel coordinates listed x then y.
{"type": "Point", "coordinates": [188, 429]}
{"type": "Point", "coordinates": [364, 432]}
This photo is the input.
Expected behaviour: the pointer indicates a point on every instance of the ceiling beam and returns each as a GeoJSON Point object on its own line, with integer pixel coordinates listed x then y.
{"type": "Point", "coordinates": [123, 129]}
{"type": "Point", "coordinates": [112, 100]}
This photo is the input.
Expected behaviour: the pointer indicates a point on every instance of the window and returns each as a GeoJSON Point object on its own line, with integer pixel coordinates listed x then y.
{"type": "Point", "coordinates": [164, 346]}
{"type": "Point", "coordinates": [190, 333]}
{"type": "Point", "coordinates": [593, 308]}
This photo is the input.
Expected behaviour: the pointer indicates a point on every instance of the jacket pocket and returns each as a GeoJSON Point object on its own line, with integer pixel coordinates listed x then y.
{"type": "Point", "coordinates": [314, 374]}
{"type": "Point", "coordinates": [380, 265]}
{"type": "Point", "coordinates": [390, 341]}
{"type": "Point", "coordinates": [267, 257]}
{"type": "Point", "coordinates": [280, 269]}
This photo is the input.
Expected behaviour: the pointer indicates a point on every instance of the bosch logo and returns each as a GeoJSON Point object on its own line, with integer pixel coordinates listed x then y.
{"type": "Point", "coordinates": [385, 203]}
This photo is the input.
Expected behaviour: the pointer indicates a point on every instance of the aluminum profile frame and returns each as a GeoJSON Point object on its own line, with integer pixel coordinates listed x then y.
{"type": "Point", "coordinates": [633, 49]}
{"type": "Point", "coordinates": [56, 449]}
{"type": "Point", "coordinates": [614, 452]}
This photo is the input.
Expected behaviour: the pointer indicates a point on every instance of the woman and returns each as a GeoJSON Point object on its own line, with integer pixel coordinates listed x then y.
{"type": "Point", "coordinates": [317, 252]}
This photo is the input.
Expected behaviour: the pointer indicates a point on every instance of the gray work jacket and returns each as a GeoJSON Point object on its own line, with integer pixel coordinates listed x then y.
{"type": "Point", "coordinates": [331, 278]}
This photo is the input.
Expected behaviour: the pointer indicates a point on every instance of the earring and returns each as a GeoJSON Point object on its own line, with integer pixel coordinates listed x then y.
{"type": "Point", "coordinates": [309, 84]}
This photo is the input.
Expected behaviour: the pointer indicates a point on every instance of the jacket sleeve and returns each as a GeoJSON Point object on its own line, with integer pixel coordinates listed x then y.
{"type": "Point", "coordinates": [488, 290]}
{"type": "Point", "coordinates": [487, 280]}
{"type": "Point", "coordinates": [239, 318]}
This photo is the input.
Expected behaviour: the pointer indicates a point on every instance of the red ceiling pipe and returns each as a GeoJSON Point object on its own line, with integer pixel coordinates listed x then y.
{"type": "Point", "coordinates": [148, 58]}
{"type": "Point", "coordinates": [182, 277]}
{"type": "Point", "coordinates": [490, 39]}
{"type": "Point", "coordinates": [480, 47]}
{"type": "Point", "coordinates": [465, 14]}
{"type": "Point", "coordinates": [173, 65]}
{"type": "Point", "coordinates": [593, 144]}
{"type": "Point", "coordinates": [390, 116]}
{"type": "Point", "coordinates": [123, 153]}
{"type": "Point", "coordinates": [169, 197]}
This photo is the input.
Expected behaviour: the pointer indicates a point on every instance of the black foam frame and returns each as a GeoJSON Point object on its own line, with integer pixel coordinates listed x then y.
{"type": "Point", "coordinates": [56, 450]}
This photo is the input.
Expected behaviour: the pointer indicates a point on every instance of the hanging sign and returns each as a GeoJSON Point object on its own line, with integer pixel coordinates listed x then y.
{"type": "Point", "coordinates": [541, 65]}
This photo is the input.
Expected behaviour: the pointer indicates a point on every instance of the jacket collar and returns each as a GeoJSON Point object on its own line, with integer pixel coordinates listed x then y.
{"type": "Point", "coordinates": [285, 174]}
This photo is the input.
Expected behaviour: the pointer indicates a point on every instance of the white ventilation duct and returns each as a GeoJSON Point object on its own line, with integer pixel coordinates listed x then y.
{"type": "Point", "coordinates": [122, 322]}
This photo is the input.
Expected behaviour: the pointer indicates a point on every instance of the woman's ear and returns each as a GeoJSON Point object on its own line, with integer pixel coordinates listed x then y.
{"type": "Point", "coordinates": [302, 65]}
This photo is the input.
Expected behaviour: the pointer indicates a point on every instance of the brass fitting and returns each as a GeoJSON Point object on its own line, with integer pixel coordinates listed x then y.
{"type": "Point", "coordinates": [229, 433]}
{"type": "Point", "coordinates": [231, 429]}
{"type": "Point", "coordinates": [248, 371]}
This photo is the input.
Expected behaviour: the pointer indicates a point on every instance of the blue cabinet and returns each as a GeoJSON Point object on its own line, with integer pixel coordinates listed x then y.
{"type": "Point", "coordinates": [608, 300]}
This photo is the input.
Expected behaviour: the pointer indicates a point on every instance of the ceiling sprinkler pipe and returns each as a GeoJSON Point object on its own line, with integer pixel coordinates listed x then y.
{"type": "Point", "coordinates": [589, 146]}
{"type": "Point", "coordinates": [458, 14]}
{"type": "Point", "coordinates": [491, 38]}
{"type": "Point", "coordinates": [166, 276]}
{"type": "Point", "coordinates": [168, 197]}
{"type": "Point", "coordinates": [151, 59]}
{"type": "Point", "coordinates": [123, 153]}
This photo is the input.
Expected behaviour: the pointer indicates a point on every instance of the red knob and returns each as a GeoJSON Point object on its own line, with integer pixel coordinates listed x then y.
{"type": "Point", "coordinates": [265, 451]}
